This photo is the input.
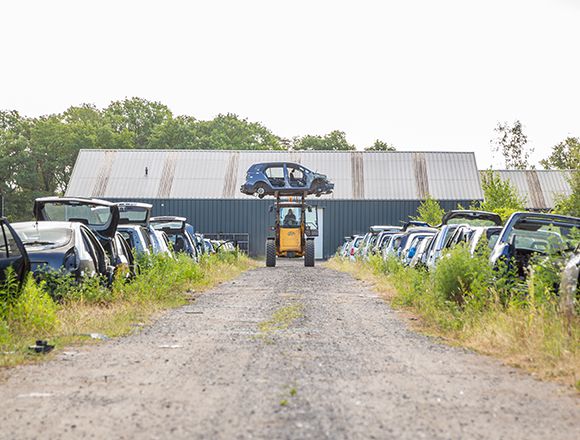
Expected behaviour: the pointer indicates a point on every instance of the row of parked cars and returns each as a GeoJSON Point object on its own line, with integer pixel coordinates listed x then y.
{"type": "Point", "coordinates": [523, 235]}
{"type": "Point", "coordinates": [90, 237]}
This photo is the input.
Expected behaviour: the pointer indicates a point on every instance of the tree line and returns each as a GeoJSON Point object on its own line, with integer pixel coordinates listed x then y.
{"type": "Point", "coordinates": [37, 154]}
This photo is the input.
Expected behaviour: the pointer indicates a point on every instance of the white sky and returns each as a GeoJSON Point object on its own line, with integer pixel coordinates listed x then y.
{"type": "Point", "coordinates": [421, 74]}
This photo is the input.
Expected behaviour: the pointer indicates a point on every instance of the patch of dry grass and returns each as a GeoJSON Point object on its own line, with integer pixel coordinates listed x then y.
{"type": "Point", "coordinates": [133, 306]}
{"type": "Point", "coordinates": [532, 337]}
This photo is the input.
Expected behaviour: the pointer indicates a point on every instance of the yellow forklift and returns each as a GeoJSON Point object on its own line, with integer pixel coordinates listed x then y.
{"type": "Point", "coordinates": [295, 228]}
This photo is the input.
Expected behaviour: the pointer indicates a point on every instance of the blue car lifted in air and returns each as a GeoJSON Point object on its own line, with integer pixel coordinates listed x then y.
{"type": "Point", "coordinates": [285, 179]}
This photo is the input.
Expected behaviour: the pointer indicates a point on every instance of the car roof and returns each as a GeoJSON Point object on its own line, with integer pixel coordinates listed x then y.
{"type": "Point", "coordinates": [270, 164]}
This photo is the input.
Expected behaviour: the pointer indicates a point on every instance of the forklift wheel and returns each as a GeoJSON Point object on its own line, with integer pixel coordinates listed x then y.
{"type": "Point", "coordinates": [270, 253]}
{"type": "Point", "coordinates": [309, 254]}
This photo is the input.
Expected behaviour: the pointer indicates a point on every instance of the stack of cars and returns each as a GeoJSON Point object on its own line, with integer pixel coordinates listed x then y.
{"type": "Point", "coordinates": [511, 245]}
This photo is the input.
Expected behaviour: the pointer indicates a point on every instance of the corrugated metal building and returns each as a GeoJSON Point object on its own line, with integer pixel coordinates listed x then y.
{"type": "Point", "coordinates": [539, 188]}
{"type": "Point", "coordinates": [370, 187]}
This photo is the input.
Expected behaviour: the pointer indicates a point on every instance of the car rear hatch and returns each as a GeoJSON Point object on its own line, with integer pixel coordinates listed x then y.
{"type": "Point", "coordinates": [169, 223]}
{"type": "Point", "coordinates": [132, 213]}
{"type": "Point", "coordinates": [99, 216]}
{"type": "Point", "coordinates": [470, 217]}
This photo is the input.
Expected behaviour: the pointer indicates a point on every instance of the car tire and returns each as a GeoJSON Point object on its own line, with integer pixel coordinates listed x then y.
{"type": "Point", "coordinates": [270, 253]}
{"type": "Point", "coordinates": [309, 253]}
{"type": "Point", "coordinates": [260, 190]}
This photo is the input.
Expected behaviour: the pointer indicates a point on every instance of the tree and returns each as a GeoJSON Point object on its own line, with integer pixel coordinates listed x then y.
{"type": "Point", "coordinates": [499, 196]}
{"type": "Point", "coordinates": [135, 119]}
{"type": "Point", "coordinates": [570, 205]}
{"type": "Point", "coordinates": [511, 143]}
{"type": "Point", "coordinates": [565, 155]}
{"type": "Point", "coordinates": [230, 132]}
{"type": "Point", "coordinates": [335, 141]}
{"type": "Point", "coordinates": [380, 146]}
{"type": "Point", "coordinates": [429, 211]}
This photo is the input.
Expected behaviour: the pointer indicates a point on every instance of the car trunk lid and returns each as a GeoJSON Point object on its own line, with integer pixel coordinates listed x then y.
{"type": "Point", "coordinates": [99, 216]}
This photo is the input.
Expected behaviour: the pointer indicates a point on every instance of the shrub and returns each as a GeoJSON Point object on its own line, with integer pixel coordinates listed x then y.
{"type": "Point", "coordinates": [459, 276]}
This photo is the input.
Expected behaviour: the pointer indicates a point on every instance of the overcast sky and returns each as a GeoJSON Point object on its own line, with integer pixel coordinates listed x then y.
{"type": "Point", "coordinates": [423, 75]}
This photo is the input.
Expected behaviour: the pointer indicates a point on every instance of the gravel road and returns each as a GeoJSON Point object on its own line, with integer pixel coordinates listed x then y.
{"type": "Point", "coordinates": [346, 367]}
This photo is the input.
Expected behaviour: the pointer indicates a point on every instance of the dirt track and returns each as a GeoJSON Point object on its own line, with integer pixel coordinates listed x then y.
{"type": "Point", "coordinates": [346, 368]}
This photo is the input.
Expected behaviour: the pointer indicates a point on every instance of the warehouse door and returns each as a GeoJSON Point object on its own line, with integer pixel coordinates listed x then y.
{"type": "Point", "coordinates": [318, 241]}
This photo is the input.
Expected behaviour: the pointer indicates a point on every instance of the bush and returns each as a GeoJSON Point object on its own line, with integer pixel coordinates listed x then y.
{"type": "Point", "coordinates": [459, 276]}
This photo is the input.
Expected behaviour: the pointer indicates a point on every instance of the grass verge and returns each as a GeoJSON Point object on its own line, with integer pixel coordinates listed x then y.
{"type": "Point", "coordinates": [90, 308]}
{"type": "Point", "coordinates": [459, 303]}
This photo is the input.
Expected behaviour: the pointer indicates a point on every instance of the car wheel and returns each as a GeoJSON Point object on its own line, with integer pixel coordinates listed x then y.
{"type": "Point", "coordinates": [260, 190]}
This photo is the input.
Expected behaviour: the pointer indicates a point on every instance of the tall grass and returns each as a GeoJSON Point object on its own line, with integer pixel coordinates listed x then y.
{"type": "Point", "coordinates": [468, 303]}
{"type": "Point", "coordinates": [66, 312]}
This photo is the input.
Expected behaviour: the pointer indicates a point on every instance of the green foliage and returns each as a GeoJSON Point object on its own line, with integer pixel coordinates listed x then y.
{"type": "Point", "coordinates": [379, 145]}
{"type": "Point", "coordinates": [335, 141]}
{"type": "Point", "coordinates": [564, 156]}
{"type": "Point", "coordinates": [429, 211]}
{"type": "Point", "coordinates": [570, 205]}
{"type": "Point", "coordinates": [499, 196]}
{"type": "Point", "coordinates": [511, 142]}
{"type": "Point", "coordinates": [459, 276]}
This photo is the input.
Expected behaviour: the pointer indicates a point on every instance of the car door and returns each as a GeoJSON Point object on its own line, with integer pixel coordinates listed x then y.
{"type": "Point", "coordinates": [12, 253]}
{"type": "Point", "coordinates": [276, 175]}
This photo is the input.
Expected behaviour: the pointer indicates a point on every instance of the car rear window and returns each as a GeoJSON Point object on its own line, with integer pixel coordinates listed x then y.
{"type": "Point", "coordinates": [168, 225]}
{"type": "Point", "coordinates": [91, 215]}
{"type": "Point", "coordinates": [40, 237]}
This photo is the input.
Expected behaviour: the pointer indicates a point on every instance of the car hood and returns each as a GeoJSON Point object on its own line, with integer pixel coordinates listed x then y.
{"type": "Point", "coordinates": [99, 216]}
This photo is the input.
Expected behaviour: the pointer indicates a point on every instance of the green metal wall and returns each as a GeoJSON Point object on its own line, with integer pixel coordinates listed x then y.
{"type": "Point", "coordinates": [252, 216]}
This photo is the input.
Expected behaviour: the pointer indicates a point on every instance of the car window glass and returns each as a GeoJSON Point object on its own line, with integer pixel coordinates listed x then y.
{"type": "Point", "coordinates": [42, 235]}
{"type": "Point", "coordinates": [275, 176]}
{"type": "Point", "coordinates": [92, 215]}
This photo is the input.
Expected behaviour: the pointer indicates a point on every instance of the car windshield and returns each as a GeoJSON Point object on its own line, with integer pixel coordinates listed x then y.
{"type": "Point", "coordinates": [290, 216]}
{"type": "Point", "coordinates": [545, 239]}
{"type": "Point", "coordinates": [91, 215]}
{"type": "Point", "coordinates": [38, 236]}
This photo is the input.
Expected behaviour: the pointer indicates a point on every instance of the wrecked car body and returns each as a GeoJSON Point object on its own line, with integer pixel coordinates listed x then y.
{"type": "Point", "coordinates": [285, 179]}
{"type": "Point", "coordinates": [13, 254]}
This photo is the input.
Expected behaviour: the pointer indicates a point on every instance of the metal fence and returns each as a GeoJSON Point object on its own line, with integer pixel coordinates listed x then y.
{"type": "Point", "coordinates": [240, 239]}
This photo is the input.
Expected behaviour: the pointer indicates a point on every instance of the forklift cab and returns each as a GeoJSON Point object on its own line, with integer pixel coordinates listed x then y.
{"type": "Point", "coordinates": [295, 226]}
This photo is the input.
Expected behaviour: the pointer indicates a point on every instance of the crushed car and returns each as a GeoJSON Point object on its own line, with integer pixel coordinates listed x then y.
{"type": "Point", "coordinates": [284, 179]}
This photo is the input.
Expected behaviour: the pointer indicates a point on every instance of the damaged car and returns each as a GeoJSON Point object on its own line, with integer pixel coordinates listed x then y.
{"type": "Point", "coordinates": [176, 229]}
{"type": "Point", "coordinates": [527, 234]}
{"type": "Point", "coordinates": [100, 216]}
{"type": "Point", "coordinates": [68, 248]}
{"type": "Point", "coordinates": [285, 179]}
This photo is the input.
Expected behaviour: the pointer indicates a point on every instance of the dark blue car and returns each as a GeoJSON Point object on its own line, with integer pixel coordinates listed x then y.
{"type": "Point", "coordinates": [284, 178]}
